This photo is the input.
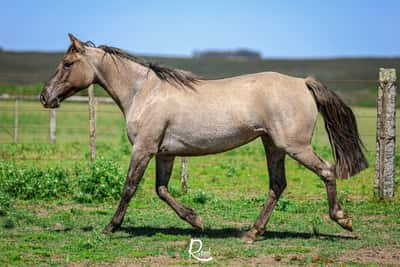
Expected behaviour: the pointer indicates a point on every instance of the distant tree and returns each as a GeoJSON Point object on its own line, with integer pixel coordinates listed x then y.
{"type": "Point", "coordinates": [233, 54]}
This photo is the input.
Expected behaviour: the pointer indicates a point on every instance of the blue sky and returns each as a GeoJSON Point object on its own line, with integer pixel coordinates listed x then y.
{"type": "Point", "coordinates": [275, 28]}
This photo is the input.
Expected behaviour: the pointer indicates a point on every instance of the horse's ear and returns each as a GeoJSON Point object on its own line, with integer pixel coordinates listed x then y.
{"type": "Point", "coordinates": [78, 45]}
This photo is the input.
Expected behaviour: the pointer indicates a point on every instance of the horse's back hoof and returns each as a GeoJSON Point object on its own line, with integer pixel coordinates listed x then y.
{"type": "Point", "coordinates": [110, 229]}
{"type": "Point", "coordinates": [198, 223]}
{"type": "Point", "coordinates": [346, 223]}
{"type": "Point", "coordinates": [249, 236]}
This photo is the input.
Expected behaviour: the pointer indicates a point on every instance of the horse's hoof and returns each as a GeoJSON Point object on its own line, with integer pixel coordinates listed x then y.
{"type": "Point", "coordinates": [250, 236]}
{"type": "Point", "coordinates": [343, 220]}
{"type": "Point", "coordinates": [193, 219]}
{"type": "Point", "coordinates": [110, 229]}
{"type": "Point", "coordinates": [346, 223]}
{"type": "Point", "coordinates": [197, 223]}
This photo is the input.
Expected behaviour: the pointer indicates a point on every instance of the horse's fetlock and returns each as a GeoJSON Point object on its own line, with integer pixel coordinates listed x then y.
{"type": "Point", "coordinates": [162, 191]}
{"type": "Point", "coordinates": [340, 214]}
{"type": "Point", "coordinates": [337, 215]}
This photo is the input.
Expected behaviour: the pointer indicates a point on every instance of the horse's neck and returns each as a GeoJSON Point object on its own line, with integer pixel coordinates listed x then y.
{"type": "Point", "coordinates": [122, 79]}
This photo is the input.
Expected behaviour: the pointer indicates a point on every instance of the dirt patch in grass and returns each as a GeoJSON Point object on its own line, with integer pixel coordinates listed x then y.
{"type": "Point", "coordinates": [373, 217]}
{"type": "Point", "coordinates": [46, 210]}
{"type": "Point", "coordinates": [273, 260]}
{"type": "Point", "coordinates": [136, 261]}
{"type": "Point", "coordinates": [288, 259]}
{"type": "Point", "coordinates": [377, 255]}
{"type": "Point", "coordinates": [236, 224]}
{"type": "Point", "coordinates": [260, 260]}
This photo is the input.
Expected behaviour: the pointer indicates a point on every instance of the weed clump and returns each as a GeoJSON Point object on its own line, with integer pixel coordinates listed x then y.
{"type": "Point", "coordinates": [99, 181]}
{"type": "Point", "coordinates": [287, 205]}
{"type": "Point", "coordinates": [33, 183]}
{"type": "Point", "coordinates": [201, 197]}
{"type": "Point", "coordinates": [5, 203]}
{"type": "Point", "coordinates": [102, 180]}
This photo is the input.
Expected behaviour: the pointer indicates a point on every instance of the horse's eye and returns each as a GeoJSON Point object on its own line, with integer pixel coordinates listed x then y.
{"type": "Point", "coordinates": [67, 64]}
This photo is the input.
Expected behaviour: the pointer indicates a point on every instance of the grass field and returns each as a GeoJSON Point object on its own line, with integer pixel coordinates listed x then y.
{"type": "Point", "coordinates": [63, 203]}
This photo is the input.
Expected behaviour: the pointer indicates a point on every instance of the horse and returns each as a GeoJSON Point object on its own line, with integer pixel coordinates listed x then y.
{"type": "Point", "coordinates": [171, 112]}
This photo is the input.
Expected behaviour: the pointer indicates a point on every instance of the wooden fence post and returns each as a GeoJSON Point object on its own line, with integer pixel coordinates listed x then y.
{"type": "Point", "coordinates": [184, 174]}
{"type": "Point", "coordinates": [92, 123]}
{"type": "Point", "coordinates": [385, 134]}
{"type": "Point", "coordinates": [16, 121]}
{"type": "Point", "coordinates": [52, 130]}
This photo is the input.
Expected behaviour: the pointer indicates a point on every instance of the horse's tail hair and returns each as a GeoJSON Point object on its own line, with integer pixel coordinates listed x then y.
{"type": "Point", "coordinates": [341, 126]}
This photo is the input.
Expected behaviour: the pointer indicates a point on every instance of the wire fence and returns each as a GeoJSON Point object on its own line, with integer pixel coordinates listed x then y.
{"type": "Point", "coordinates": [24, 121]}
{"type": "Point", "coordinates": [32, 124]}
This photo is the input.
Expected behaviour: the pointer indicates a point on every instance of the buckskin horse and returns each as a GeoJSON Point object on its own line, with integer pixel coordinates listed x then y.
{"type": "Point", "coordinates": [171, 112]}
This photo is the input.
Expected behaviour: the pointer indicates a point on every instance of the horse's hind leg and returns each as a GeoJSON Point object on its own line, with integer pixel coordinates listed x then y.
{"type": "Point", "coordinates": [163, 173]}
{"type": "Point", "coordinates": [277, 183]}
{"type": "Point", "coordinates": [306, 156]}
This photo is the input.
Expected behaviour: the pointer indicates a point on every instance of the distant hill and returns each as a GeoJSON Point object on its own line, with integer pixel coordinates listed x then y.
{"type": "Point", "coordinates": [24, 68]}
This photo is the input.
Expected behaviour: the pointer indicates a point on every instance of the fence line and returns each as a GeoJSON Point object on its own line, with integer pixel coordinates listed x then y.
{"type": "Point", "coordinates": [115, 112]}
{"type": "Point", "coordinates": [17, 110]}
{"type": "Point", "coordinates": [350, 81]}
{"type": "Point", "coordinates": [384, 178]}
{"type": "Point", "coordinates": [82, 99]}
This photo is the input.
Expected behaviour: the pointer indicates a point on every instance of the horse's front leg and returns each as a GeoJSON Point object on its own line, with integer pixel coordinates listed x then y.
{"type": "Point", "coordinates": [140, 159]}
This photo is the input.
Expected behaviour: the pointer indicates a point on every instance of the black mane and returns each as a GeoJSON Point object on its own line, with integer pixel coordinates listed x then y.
{"type": "Point", "coordinates": [173, 76]}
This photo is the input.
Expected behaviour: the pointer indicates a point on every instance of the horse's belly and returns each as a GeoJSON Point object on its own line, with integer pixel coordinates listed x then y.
{"type": "Point", "coordinates": [202, 142]}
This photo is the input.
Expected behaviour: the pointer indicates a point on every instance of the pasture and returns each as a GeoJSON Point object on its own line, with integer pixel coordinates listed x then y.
{"type": "Point", "coordinates": [54, 203]}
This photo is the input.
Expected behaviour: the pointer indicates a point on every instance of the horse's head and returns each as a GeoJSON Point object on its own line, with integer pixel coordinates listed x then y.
{"type": "Point", "coordinates": [73, 73]}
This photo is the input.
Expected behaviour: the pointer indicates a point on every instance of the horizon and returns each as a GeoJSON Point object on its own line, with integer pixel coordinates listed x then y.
{"type": "Point", "coordinates": [246, 59]}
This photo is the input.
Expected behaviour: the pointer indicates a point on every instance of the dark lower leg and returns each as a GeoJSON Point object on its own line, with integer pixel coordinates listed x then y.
{"type": "Point", "coordinates": [266, 212]}
{"type": "Point", "coordinates": [322, 168]}
{"type": "Point", "coordinates": [277, 183]}
{"type": "Point", "coordinates": [185, 213]}
{"type": "Point", "coordinates": [135, 173]}
{"type": "Point", "coordinates": [164, 170]}
{"type": "Point", "coordinates": [116, 221]}
{"type": "Point", "coordinates": [335, 211]}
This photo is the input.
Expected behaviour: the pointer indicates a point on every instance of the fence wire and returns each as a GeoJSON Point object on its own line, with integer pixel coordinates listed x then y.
{"type": "Point", "coordinates": [7, 127]}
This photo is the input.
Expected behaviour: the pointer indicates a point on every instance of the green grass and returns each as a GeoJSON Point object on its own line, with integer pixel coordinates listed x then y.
{"type": "Point", "coordinates": [64, 201]}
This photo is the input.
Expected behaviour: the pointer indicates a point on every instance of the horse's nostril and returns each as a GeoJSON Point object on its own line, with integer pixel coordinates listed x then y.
{"type": "Point", "coordinates": [42, 99]}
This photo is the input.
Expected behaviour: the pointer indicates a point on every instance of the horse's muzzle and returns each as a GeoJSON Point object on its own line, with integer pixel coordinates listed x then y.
{"type": "Point", "coordinates": [47, 102]}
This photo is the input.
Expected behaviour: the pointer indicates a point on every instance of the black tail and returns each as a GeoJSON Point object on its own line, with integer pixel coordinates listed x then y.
{"type": "Point", "coordinates": [341, 126]}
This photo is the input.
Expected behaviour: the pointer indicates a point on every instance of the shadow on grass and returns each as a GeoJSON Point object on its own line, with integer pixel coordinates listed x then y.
{"type": "Point", "coordinates": [285, 235]}
{"type": "Point", "coordinates": [225, 233]}
{"type": "Point", "coordinates": [211, 233]}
